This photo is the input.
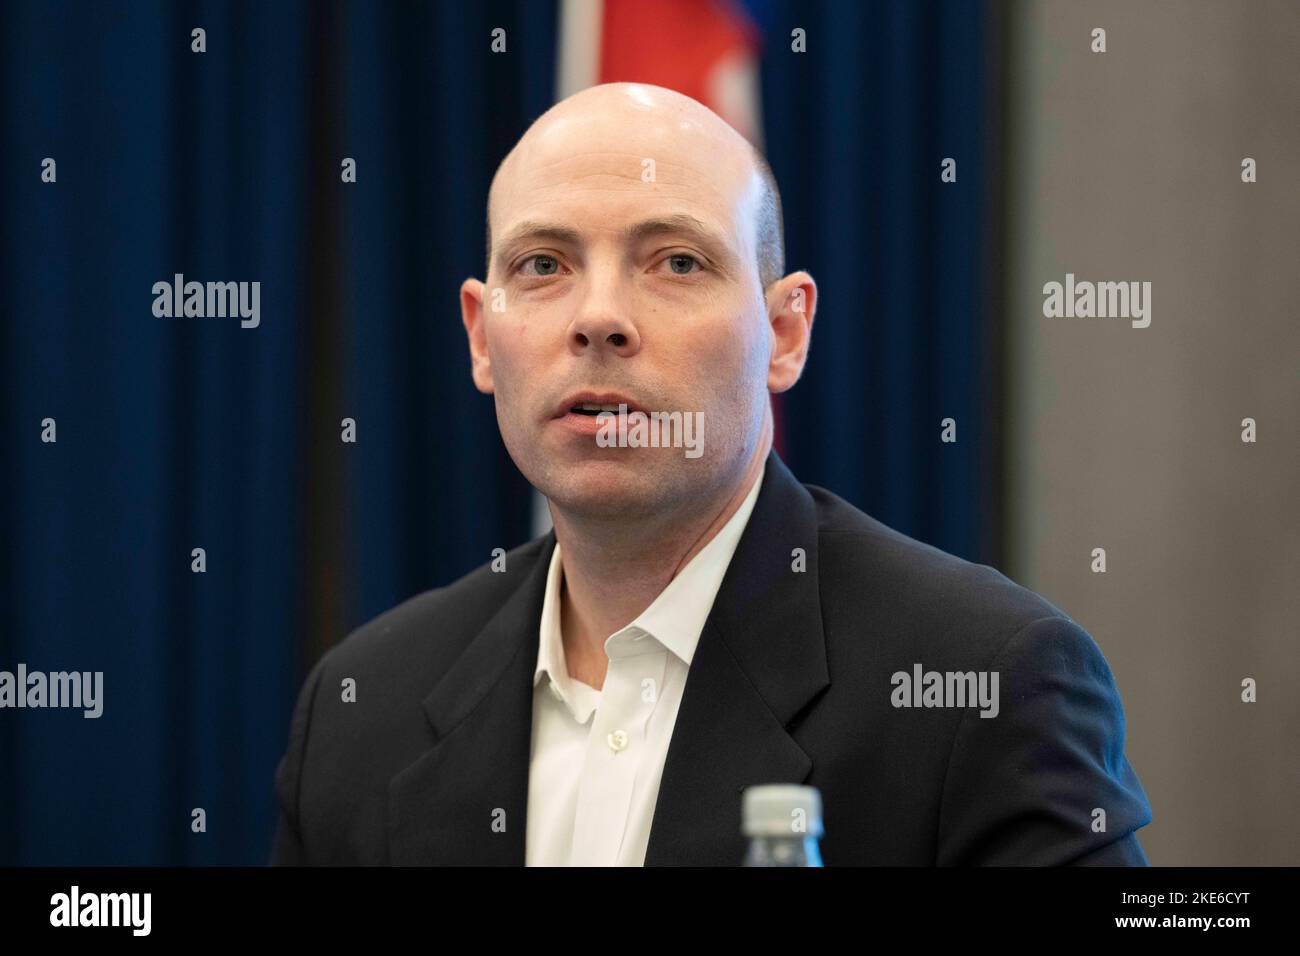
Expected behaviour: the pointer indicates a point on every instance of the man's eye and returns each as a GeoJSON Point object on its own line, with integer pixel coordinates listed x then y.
{"type": "Point", "coordinates": [542, 265]}
{"type": "Point", "coordinates": [681, 263]}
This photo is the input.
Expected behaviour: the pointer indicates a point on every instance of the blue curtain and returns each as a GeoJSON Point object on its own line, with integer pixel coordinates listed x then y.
{"type": "Point", "coordinates": [906, 330]}
{"type": "Point", "coordinates": [183, 433]}
{"type": "Point", "coordinates": [428, 111]}
{"type": "Point", "coordinates": [175, 434]}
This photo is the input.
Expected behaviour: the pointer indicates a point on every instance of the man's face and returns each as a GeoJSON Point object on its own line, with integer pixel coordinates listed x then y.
{"type": "Point", "coordinates": [623, 264]}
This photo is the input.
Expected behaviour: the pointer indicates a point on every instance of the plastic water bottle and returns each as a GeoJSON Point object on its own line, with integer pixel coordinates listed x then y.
{"type": "Point", "coordinates": [783, 822]}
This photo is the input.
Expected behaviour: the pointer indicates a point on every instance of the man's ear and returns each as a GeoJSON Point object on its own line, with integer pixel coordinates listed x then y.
{"type": "Point", "coordinates": [791, 303]}
{"type": "Point", "coordinates": [474, 317]}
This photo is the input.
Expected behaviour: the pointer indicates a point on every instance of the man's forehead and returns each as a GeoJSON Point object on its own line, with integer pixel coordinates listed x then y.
{"type": "Point", "coordinates": [630, 162]}
{"type": "Point", "coordinates": [612, 185]}
{"type": "Point", "coordinates": [645, 122]}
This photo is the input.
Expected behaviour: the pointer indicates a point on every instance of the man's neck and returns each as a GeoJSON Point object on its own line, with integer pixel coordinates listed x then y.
{"type": "Point", "coordinates": [642, 558]}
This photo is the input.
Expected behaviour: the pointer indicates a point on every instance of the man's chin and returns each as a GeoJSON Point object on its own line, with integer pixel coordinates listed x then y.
{"type": "Point", "coordinates": [608, 486]}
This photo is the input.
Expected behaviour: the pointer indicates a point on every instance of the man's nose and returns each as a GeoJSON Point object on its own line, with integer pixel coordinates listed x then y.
{"type": "Point", "coordinates": [602, 325]}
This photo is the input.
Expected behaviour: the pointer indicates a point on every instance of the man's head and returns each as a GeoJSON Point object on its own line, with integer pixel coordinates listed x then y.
{"type": "Point", "coordinates": [635, 255]}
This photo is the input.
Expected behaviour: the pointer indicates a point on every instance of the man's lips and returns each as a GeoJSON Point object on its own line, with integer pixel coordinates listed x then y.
{"type": "Point", "coordinates": [591, 404]}
{"type": "Point", "coordinates": [580, 412]}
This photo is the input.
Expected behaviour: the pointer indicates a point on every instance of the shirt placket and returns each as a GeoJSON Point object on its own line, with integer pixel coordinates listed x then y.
{"type": "Point", "coordinates": [616, 747]}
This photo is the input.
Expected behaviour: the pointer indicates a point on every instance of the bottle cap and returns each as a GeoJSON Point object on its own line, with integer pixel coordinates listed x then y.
{"type": "Point", "coordinates": [782, 810]}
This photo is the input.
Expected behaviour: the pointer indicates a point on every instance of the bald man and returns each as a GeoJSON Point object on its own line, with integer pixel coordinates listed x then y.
{"type": "Point", "coordinates": [698, 621]}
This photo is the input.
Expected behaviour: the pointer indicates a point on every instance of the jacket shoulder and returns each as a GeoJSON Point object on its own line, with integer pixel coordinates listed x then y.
{"type": "Point", "coordinates": [425, 633]}
{"type": "Point", "coordinates": [881, 569]}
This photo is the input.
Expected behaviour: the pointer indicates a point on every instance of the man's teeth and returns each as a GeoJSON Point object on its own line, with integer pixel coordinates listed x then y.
{"type": "Point", "coordinates": [592, 408]}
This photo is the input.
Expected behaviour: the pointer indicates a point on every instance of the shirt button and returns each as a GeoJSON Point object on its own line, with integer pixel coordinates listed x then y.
{"type": "Point", "coordinates": [617, 740]}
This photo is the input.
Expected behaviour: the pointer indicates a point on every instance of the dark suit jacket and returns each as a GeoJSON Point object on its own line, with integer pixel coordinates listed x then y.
{"type": "Point", "coordinates": [791, 682]}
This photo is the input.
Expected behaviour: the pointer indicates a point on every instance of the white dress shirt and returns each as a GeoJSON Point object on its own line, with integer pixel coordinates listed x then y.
{"type": "Point", "coordinates": [598, 755]}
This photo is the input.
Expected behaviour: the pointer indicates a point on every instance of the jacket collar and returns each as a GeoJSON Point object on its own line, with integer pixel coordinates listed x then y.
{"type": "Point", "coordinates": [760, 659]}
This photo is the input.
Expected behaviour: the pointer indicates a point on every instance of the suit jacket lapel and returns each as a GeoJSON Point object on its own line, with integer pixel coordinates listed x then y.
{"type": "Point", "coordinates": [464, 802]}
{"type": "Point", "coordinates": [760, 659]}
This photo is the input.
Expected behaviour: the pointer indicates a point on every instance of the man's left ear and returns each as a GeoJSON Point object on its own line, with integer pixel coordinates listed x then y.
{"type": "Point", "coordinates": [791, 303]}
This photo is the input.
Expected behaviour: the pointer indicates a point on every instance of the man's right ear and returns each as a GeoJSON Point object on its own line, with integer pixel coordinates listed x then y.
{"type": "Point", "coordinates": [474, 316]}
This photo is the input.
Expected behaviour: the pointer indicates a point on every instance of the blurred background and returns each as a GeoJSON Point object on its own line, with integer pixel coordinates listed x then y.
{"type": "Point", "coordinates": [1072, 434]}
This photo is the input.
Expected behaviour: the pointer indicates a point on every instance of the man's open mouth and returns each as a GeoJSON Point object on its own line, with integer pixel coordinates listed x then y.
{"type": "Point", "coordinates": [588, 408]}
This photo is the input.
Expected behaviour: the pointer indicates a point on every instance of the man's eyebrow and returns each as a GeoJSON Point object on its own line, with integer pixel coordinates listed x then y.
{"type": "Point", "coordinates": [715, 245]}
{"type": "Point", "coordinates": [532, 231]}
{"type": "Point", "coordinates": [680, 223]}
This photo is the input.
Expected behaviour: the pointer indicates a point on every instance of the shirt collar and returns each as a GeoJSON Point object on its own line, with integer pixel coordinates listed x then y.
{"type": "Point", "coordinates": [675, 618]}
